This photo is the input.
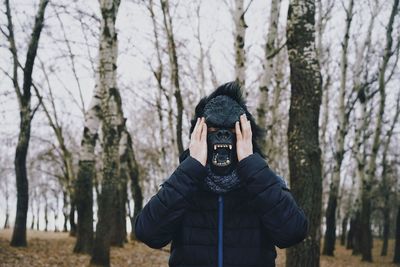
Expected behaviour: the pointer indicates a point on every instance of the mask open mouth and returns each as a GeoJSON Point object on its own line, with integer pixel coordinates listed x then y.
{"type": "Point", "coordinates": [222, 155]}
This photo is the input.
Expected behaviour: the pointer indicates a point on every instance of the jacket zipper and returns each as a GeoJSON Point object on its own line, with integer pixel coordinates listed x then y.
{"type": "Point", "coordinates": [220, 229]}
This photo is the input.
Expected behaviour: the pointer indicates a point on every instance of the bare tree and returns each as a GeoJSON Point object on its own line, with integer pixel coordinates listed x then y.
{"type": "Point", "coordinates": [303, 144]}
{"type": "Point", "coordinates": [366, 236]}
{"type": "Point", "coordinates": [341, 132]}
{"type": "Point", "coordinates": [268, 69]}
{"type": "Point", "coordinates": [26, 115]}
{"type": "Point", "coordinates": [173, 62]}
{"type": "Point", "coordinates": [112, 125]}
{"type": "Point", "coordinates": [386, 184]}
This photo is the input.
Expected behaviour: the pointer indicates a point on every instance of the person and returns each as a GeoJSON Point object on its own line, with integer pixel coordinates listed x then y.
{"type": "Point", "coordinates": [223, 206]}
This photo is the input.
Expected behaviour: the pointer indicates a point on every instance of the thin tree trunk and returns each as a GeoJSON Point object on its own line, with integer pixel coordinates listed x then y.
{"type": "Point", "coordinates": [173, 61]}
{"type": "Point", "coordinates": [46, 217]}
{"type": "Point", "coordinates": [396, 258]}
{"type": "Point", "coordinates": [239, 41]}
{"type": "Point", "coordinates": [7, 196]}
{"type": "Point", "coordinates": [112, 124]}
{"type": "Point", "coordinates": [26, 114]}
{"type": "Point", "coordinates": [268, 68]}
{"type": "Point", "coordinates": [330, 232]}
{"type": "Point", "coordinates": [129, 170]}
{"type": "Point", "coordinates": [386, 228]}
{"type": "Point", "coordinates": [366, 241]}
{"type": "Point", "coordinates": [344, 230]}
{"type": "Point", "coordinates": [65, 209]}
{"type": "Point", "coordinates": [386, 184]}
{"type": "Point", "coordinates": [303, 145]}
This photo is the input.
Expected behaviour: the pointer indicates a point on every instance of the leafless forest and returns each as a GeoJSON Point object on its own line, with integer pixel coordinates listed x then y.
{"type": "Point", "coordinates": [96, 99]}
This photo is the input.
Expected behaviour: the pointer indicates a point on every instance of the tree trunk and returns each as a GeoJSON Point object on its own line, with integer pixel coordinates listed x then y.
{"type": "Point", "coordinates": [173, 61]}
{"type": "Point", "coordinates": [136, 190]}
{"type": "Point", "coordinates": [268, 69]}
{"type": "Point", "coordinates": [350, 234]}
{"type": "Point", "coordinates": [84, 203]}
{"type": "Point", "coordinates": [24, 100]}
{"type": "Point", "coordinates": [396, 258]}
{"type": "Point", "coordinates": [239, 41]}
{"type": "Point", "coordinates": [344, 230]}
{"type": "Point", "coordinates": [65, 209]}
{"type": "Point", "coordinates": [303, 145]}
{"type": "Point", "coordinates": [366, 241]}
{"type": "Point", "coordinates": [72, 224]}
{"type": "Point", "coordinates": [386, 227]}
{"type": "Point", "coordinates": [112, 125]}
{"type": "Point", "coordinates": [46, 218]}
{"type": "Point", "coordinates": [330, 233]}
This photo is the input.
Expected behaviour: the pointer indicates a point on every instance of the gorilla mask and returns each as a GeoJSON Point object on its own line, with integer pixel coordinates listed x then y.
{"type": "Point", "coordinates": [221, 113]}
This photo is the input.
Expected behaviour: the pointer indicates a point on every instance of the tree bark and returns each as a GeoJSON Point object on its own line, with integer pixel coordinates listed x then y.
{"type": "Point", "coordinates": [303, 145]}
{"type": "Point", "coordinates": [26, 114]}
{"type": "Point", "coordinates": [112, 125]}
{"type": "Point", "coordinates": [239, 41]}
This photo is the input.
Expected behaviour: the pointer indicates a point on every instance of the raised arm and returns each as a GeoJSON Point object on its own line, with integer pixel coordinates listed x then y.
{"type": "Point", "coordinates": [161, 216]}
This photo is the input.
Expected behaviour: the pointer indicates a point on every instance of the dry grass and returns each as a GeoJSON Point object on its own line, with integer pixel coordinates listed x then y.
{"type": "Point", "coordinates": [55, 249]}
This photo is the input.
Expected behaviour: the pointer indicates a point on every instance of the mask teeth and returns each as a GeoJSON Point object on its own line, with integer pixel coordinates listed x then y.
{"type": "Point", "coordinates": [222, 146]}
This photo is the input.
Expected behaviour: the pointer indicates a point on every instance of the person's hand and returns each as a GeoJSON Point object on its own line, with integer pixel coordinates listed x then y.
{"type": "Point", "coordinates": [244, 146]}
{"type": "Point", "coordinates": [198, 142]}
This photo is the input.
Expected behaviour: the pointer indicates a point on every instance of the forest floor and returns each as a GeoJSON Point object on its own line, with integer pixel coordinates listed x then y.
{"type": "Point", "coordinates": [55, 249]}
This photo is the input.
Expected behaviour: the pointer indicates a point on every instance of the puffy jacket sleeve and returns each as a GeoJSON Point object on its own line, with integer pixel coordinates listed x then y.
{"type": "Point", "coordinates": [284, 220]}
{"type": "Point", "coordinates": [160, 217]}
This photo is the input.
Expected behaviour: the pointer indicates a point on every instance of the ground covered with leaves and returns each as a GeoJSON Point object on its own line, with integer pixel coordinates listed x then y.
{"type": "Point", "coordinates": [55, 249]}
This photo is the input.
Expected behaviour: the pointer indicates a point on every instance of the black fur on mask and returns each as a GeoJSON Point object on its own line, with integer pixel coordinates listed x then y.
{"type": "Point", "coordinates": [233, 91]}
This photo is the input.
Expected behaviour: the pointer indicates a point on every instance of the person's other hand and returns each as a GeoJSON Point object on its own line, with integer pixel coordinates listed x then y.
{"type": "Point", "coordinates": [244, 146]}
{"type": "Point", "coordinates": [198, 142]}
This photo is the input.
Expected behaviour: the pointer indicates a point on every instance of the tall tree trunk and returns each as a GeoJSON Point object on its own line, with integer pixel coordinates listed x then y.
{"type": "Point", "coordinates": [239, 41]}
{"type": "Point", "coordinates": [26, 115]}
{"type": "Point", "coordinates": [268, 69]}
{"type": "Point", "coordinates": [386, 184]}
{"type": "Point", "coordinates": [366, 241]}
{"type": "Point", "coordinates": [330, 232]}
{"type": "Point", "coordinates": [396, 258]}
{"type": "Point", "coordinates": [112, 125]}
{"type": "Point", "coordinates": [173, 61]}
{"type": "Point", "coordinates": [303, 145]}
{"type": "Point", "coordinates": [129, 171]}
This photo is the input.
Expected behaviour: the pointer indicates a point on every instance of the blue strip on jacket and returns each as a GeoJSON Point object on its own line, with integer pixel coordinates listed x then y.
{"type": "Point", "coordinates": [220, 229]}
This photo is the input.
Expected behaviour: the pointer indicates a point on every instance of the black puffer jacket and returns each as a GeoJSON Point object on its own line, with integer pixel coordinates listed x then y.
{"type": "Point", "coordinates": [239, 228]}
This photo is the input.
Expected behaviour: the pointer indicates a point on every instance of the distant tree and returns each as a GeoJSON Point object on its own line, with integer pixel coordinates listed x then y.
{"type": "Point", "coordinates": [303, 143]}
{"type": "Point", "coordinates": [26, 115]}
{"type": "Point", "coordinates": [174, 66]}
{"type": "Point", "coordinates": [396, 257]}
{"type": "Point", "coordinates": [265, 86]}
{"type": "Point", "coordinates": [366, 193]}
{"type": "Point", "coordinates": [341, 132]}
